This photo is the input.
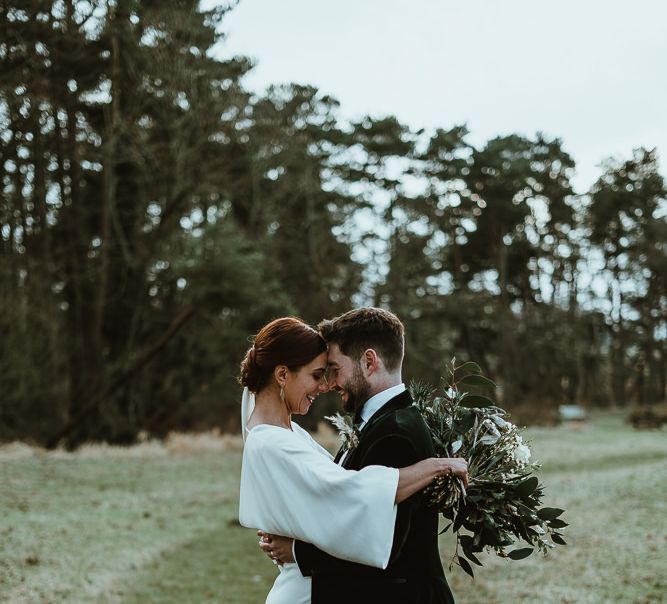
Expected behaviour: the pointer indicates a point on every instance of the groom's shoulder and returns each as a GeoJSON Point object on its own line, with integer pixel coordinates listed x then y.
{"type": "Point", "coordinates": [408, 421]}
{"type": "Point", "coordinates": [405, 425]}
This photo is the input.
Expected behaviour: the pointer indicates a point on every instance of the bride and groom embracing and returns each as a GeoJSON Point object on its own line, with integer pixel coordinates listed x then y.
{"type": "Point", "coordinates": [356, 528]}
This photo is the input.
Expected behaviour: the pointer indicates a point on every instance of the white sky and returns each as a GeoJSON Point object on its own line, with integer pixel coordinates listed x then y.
{"type": "Point", "coordinates": [593, 72]}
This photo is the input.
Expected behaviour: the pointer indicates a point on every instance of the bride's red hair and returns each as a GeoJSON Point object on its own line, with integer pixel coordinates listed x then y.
{"type": "Point", "coordinates": [285, 341]}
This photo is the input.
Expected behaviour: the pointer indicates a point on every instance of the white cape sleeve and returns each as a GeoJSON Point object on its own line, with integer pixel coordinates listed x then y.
{"type": "Point", "coordinates": [289, 488]}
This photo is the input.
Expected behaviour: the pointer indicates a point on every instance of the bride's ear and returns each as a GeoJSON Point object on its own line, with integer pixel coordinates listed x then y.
{"type": "Point", "coordinates": [280, 374]}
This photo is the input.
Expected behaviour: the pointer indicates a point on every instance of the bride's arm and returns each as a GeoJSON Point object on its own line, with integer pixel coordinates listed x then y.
{"type": "Point", "coordinates": [411, 479]}
{"type": "Point", "coordinates": [417, 476]}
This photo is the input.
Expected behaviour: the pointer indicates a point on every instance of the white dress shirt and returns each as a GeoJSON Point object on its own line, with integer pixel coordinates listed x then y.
{"type": "Point", "coordinates": [378, 401]}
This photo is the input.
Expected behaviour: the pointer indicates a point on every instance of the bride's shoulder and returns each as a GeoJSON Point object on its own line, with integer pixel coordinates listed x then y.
{"type": "Point", "coordinates": [299, 430]}
{"type": "Point", "coordinates": [308, 439]}
{"type": "Point", "coordinates": [268, 438]}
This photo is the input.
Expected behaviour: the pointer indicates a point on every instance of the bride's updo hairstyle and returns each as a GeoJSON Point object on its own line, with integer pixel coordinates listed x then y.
{"type": "Point", "coordinates": [286, 341]}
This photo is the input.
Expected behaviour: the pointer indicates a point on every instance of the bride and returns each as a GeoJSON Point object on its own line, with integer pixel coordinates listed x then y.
{"type": "Point", "coordinates": [290, 485]}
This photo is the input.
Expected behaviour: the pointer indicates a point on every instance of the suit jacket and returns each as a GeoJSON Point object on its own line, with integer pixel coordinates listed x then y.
{"type": "Point", "coordinates": [395, 436]}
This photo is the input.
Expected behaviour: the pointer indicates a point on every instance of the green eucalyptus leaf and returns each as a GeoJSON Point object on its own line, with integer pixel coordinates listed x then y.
{"type": "Point", "coordinates": [521, 530]}
{"type": "Point", "coordinates": [558, 523]}
{"type": "Point", "coordinates": [499, 421]}
{"type": "Point", "coordinates": [475, 400]}
{"type": "Point", "coordinates": [477, 380]}
{"type": "Point", "coordinates": [489, 439]}
{"type": "Point", "coordinates": [460, 519]}
{"type": "Point", "coordinates": [465, 565]}
{"type": "Point", "coordinates": [549, 513]}
{"type": "Point", "coordinates": [468, 553]}
{"type": "Point", "coordinates": [527, 487]}
{"type": "Point", "coordinates": [520, 554]}
{"type": "Point", "coordinates": [557, 538]}
{"type": "Point", "coordinates": [470, 366]}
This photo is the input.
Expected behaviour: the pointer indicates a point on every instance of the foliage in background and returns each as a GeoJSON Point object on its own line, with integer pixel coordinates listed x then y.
{"type": "Point", "coordinates": [154, 214]}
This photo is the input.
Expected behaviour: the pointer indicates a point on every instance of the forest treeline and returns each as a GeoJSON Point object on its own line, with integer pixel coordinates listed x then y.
{"type": "Point", "coordinates": [154, 213]}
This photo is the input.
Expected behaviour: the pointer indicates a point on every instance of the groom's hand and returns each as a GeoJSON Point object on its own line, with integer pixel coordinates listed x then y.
{"type": "Point", "coordinates": [278, 548]}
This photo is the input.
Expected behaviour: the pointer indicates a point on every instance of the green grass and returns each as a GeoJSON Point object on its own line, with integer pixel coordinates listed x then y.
{"type": "Point", "coordinates": [157, 523]}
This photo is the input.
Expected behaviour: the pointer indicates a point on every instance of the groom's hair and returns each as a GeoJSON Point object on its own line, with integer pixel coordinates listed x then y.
{"type": "Point", "coordinates": [363, 328]}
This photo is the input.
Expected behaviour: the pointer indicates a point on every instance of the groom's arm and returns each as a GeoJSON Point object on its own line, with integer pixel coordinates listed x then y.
{"type": "Point", "coordinates": [395, 450]}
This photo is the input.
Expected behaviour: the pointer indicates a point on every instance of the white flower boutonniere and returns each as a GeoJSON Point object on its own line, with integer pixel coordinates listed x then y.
{"type": "Point", "coordinates": [347, 431]}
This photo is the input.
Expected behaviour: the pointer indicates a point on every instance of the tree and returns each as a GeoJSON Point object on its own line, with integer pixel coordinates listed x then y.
{"type": "Point", "coordinates": [623, 221]}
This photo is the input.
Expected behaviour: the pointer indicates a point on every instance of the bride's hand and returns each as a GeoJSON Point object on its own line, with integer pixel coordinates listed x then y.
{"type": "Point", "coordinates": [453, 466]}
{"type": "Point", "coordinates": [278, 548]}
{"type": "Point", "coordinates": [414, 478]}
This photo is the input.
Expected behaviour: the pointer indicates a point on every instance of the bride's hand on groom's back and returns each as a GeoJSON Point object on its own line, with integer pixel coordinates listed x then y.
{"type": "Point", "coordinates": [279, 549]}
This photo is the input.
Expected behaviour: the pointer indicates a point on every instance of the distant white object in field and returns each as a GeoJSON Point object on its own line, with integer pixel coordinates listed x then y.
{"type": "Point", "coordinates": [570, 413]}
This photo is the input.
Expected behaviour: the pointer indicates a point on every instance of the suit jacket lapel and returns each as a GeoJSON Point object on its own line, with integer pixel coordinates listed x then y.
{"type": "Point", "coordinates": [398, 402]}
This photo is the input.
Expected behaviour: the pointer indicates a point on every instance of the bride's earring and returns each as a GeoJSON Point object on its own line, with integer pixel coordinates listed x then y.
{"type": "Point", "coordinates": [282, 381]}
{"type": "Point", "coordinates": [282, 397]}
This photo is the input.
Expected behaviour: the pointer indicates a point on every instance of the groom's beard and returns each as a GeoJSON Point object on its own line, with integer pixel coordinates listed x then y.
{"type": "Point", "coordinates": [358, 391]}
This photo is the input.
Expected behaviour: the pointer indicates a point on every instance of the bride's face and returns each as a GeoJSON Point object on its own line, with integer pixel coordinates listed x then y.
{"type": "Point", "coordinates": [305, 384]}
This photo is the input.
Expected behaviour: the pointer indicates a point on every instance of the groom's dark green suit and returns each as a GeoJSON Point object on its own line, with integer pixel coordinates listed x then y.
{"type": "Point", "coordinates": [394, 436]}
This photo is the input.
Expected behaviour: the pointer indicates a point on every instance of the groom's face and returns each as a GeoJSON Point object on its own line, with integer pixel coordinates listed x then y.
{"type": "Point", "coordinates": [347, 378]}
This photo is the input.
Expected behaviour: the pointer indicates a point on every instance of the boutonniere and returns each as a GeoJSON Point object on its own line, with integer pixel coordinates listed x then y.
{"type": "Point", "coordinates": [347, 431]}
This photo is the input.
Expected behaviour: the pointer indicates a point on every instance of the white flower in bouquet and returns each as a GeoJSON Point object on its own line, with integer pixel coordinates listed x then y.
{"type": "Point", "coordinates": [522, 454]}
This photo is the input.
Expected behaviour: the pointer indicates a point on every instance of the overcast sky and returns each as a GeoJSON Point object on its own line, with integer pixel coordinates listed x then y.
{"type": "Point", "coordinates": [593, 72]}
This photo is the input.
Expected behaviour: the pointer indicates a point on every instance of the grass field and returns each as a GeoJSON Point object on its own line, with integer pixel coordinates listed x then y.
{"type": "Point", "coordinates": [156, 523]}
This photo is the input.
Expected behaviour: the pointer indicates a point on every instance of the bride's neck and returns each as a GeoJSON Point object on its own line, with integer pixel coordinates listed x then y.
{"type": "Point", "coordinates": [269, 409]}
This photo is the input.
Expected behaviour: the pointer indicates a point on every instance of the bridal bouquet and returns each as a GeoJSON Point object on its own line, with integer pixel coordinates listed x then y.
{"type": "Point", "coordinates": [502, 504]}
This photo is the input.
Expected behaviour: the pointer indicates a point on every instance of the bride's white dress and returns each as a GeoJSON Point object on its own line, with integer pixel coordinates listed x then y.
{"type": "Point", "coordinates": [291, 486]}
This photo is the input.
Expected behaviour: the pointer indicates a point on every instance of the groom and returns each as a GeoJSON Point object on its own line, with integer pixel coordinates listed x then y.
{"type": "Point", "coordinates": [365, 359]}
